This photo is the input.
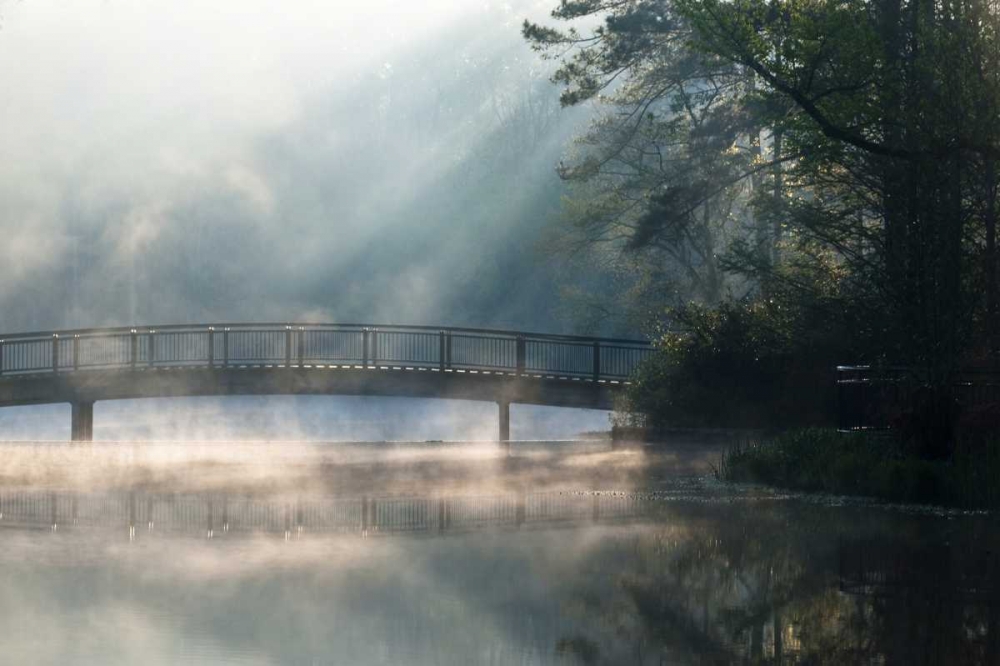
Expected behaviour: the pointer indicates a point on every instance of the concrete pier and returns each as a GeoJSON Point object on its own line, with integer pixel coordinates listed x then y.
{"type": "Point", "coordinates": [504, 430]}
{"type": "Point", "coordinates": [82, 426]}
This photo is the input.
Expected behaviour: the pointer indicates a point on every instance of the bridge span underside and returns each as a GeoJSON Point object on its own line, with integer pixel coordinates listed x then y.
{"type": "Point", "coordinates": [84, 367]}
{"type": "Point", "coordinates": [83, 390]}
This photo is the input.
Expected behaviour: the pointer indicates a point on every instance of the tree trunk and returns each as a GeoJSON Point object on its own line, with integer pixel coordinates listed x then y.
{"type": "Point", "coordinates": [779, 199]}
{"type": "Point", "coordinates": [992, 300]}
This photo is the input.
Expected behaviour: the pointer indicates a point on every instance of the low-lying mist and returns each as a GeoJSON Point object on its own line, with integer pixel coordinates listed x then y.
{"type": "Point", "coordinates": [345, 469]}
{"type": "Point", "coordinates": [331, 446]}
{"type": "Point", "coordinates": [284, 469]}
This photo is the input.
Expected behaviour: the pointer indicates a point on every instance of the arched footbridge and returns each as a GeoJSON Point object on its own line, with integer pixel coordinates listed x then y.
{"type": "Point", "coordinates": [81, 367]}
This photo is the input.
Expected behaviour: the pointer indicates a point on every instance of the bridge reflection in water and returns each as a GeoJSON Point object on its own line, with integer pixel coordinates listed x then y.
{"type": "Point", "coordinates": [83, 366]}
{"type": "Point", "coordinates": [211, 515]}
{"type": "Point", "coordinates": [691, 581]}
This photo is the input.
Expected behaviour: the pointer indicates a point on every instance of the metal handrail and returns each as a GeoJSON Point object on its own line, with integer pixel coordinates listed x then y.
{"type": "Point", "coordinates": [309, 344]}
{"type": "Point", "coordinates": [267, 324]}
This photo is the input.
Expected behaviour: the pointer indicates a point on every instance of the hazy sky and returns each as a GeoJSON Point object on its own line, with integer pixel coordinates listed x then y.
{"type": "Point", "coordinates": [180, 162]}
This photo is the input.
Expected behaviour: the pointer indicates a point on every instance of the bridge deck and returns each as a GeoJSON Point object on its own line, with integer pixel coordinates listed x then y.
{"type": "Point", "coordinates": [84, 366]}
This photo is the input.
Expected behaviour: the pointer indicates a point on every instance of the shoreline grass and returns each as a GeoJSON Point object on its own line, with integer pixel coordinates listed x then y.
{"type": "Point", "coordinates": [866, 464]}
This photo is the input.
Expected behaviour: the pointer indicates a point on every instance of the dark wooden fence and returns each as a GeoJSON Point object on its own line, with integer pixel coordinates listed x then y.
{"type": "Point", "coordinates": [870, 398]}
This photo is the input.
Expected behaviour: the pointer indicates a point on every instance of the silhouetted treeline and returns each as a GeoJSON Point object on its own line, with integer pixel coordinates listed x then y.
{"type": "Point", "coordinates": [791, 186]}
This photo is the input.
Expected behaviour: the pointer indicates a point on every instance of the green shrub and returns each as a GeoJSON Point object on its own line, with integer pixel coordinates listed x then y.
{"type": "Point", "coordinates": [741, 364]}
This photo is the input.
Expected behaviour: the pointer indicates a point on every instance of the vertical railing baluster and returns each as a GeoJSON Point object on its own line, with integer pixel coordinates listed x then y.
{"type": "Point", "coordinates": [55, 352]}
{"type": "Point", "coordinates": [597, 360]}
{"type": "Point", "coordinates": [76, 352]}
{"type": "Point", "coordinates": [151, 348]}
{"type": "Point", "coordinates": [521, 354]}
{"type": "Point", "coordinates": [133, 348]}
{"type": "Point", "coordinates": [364, 337]}
{"type": "Point", "coordinates": [1, 368]}
{"type": "Point", "coordinates": [288, 346]}
{"type": "Point", "coordinates": [374, 350]}
{"type": "Point", "coordinates": [302, 346]}
{"type": "Point", "coordinates": [211, 346]}
{"type": "Point", "coordinates": [441, 351]}
{"type": "Point", "coordinates": [225, 347]}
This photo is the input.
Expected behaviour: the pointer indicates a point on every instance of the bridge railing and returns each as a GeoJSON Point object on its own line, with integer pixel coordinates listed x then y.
{"type": "Point", "coordinates": [309, 345]}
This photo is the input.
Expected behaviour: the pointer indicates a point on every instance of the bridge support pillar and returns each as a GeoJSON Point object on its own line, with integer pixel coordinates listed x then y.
{"type": "Point", "coordinates": [504, 430]}
{"type": "Point", "coordinates": [82, 427]}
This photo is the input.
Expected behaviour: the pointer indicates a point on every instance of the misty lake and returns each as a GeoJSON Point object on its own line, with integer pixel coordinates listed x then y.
{"type": "Point", "coordinates": [503, 567]}
{"type": "Point", "coordinates": [319, 319]}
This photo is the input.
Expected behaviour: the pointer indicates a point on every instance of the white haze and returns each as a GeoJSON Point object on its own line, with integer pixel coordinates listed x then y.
{"type": "Point", "coordinates": [174, 161]}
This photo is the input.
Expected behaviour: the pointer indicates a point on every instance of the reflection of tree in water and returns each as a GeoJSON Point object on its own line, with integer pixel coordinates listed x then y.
{"type": "Point", "coordinates": [927, 603]}
{"type": "Point", "coordinates": [770, 584]}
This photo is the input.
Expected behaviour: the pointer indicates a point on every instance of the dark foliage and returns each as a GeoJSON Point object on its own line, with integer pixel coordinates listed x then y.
{"type": "Point", "coordinates": [870, 464]}
{"type": "Point", "coordinates": [822, 175]}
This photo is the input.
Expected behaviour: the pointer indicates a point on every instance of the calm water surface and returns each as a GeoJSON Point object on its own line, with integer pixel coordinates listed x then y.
{"type": "Point", "coordinates": [687, 575]}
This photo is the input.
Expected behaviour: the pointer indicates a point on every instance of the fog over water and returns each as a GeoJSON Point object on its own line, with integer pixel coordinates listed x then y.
{"type": "Point", "coordinates": [460, 580]}
{"type": "Point", "coordinates": [378, 162]}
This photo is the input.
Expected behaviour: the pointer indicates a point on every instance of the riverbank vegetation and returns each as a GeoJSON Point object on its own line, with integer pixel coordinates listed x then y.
{"type": "Point", "coordinates": [867, 464]}
{"type": "Point", "coordinates": [776, 187]}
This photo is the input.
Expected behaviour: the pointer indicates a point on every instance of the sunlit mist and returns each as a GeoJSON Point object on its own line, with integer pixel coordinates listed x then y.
{"type": "Point", "coordinates": [173, 162]}
{"type": "Point", "coordinates": [501, 333]}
